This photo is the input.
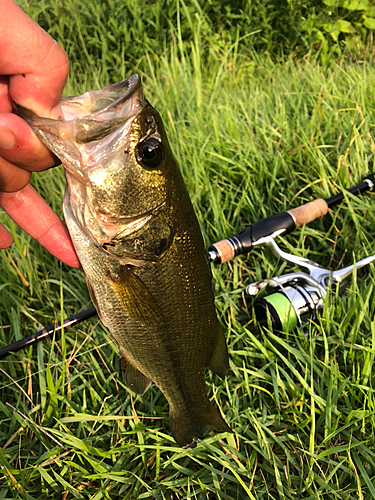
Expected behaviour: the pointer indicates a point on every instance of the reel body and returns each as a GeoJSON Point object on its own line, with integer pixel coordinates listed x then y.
{"type": "Point", "coordinates": [297, 297]}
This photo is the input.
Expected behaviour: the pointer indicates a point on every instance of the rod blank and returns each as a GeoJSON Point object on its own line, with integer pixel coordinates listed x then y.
{"type": "Point", "coordinates": [47, 332]}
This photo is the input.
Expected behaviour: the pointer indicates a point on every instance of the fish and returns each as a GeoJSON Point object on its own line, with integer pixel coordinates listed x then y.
{"type": "Point", "coordinates": [138, 239]}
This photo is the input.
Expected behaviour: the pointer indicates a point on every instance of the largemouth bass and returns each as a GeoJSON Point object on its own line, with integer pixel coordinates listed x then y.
{"type": "Point", "coordinates": [137, 237]}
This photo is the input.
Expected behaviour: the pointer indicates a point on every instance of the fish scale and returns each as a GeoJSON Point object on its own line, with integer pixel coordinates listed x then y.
{"type": "Point", "coordinates": [139, 242]}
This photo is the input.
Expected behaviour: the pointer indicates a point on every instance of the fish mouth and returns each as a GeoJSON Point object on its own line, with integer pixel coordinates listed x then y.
{"type": "Point", "coordinates": [90, 123]}
{"type": "Point", "coordinates": [102, 101]}
{"type": "Point", "coordinates": [95, 114]}
{"type": "Point", "coordinates": [92, 114]}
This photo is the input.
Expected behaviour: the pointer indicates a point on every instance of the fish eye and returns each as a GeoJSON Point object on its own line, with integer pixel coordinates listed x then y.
{"type": "Point", "coordinates": [149, 153]}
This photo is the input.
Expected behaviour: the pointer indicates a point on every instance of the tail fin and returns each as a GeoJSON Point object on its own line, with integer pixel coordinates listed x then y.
{"type": "Point", "coordinates": [187, 428]}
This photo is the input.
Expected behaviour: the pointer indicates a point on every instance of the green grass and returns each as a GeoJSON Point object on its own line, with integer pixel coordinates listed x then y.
{"type": "Point", "coordinates": [252, 138]}
{"type": "Point", "coordinates": [112, 35]}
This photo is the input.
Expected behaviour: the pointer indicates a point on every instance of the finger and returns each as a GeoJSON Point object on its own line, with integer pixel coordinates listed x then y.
{"type": "Point", "coordinates": [12, 178]}
{"type": "Point", "coordinates": [38, 64]}
{"type": "Point", "coordinates": [20, 146]}
{"type": "Point", "coordinates": [6, 238]}
{"type": "Point", "coordinates": [28, 209]}
{"type": "Point", "coordinates": [6, 104]}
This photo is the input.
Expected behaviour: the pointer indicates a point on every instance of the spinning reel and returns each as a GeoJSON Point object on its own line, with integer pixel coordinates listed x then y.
{"type": "Point", "coordinates": [297, 297]}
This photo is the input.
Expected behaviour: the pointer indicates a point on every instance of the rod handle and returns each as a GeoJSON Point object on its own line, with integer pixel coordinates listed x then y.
{"type": "Point", "coordinates": [309, 212]}
{"type": "Point", "coordinates": [221, 251]}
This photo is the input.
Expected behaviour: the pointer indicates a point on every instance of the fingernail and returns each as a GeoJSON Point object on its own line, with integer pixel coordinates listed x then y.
{"type": "Point", "coordinates": [7, 138]}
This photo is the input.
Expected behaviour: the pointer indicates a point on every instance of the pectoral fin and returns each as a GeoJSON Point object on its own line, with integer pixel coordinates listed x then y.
{"type": "Point", "coordinates": [134, 379]}
{"type": "Point", "coordinates": [134, 296]}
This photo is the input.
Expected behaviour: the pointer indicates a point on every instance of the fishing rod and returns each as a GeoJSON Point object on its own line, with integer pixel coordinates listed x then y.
{"type": "Point", "coordinates": [298, 296]}
{"type": "Point", "coordinates": [283, 223]}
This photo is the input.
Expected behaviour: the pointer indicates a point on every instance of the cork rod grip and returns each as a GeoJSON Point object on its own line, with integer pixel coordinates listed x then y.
{"type": "Point", "coordinates": [309, 212]}
{"type": "Point", "coordinates": [225, 249]}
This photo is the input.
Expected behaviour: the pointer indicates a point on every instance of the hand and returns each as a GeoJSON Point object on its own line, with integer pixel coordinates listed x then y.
{"type": "Point", "coordinates": [33, 72]}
